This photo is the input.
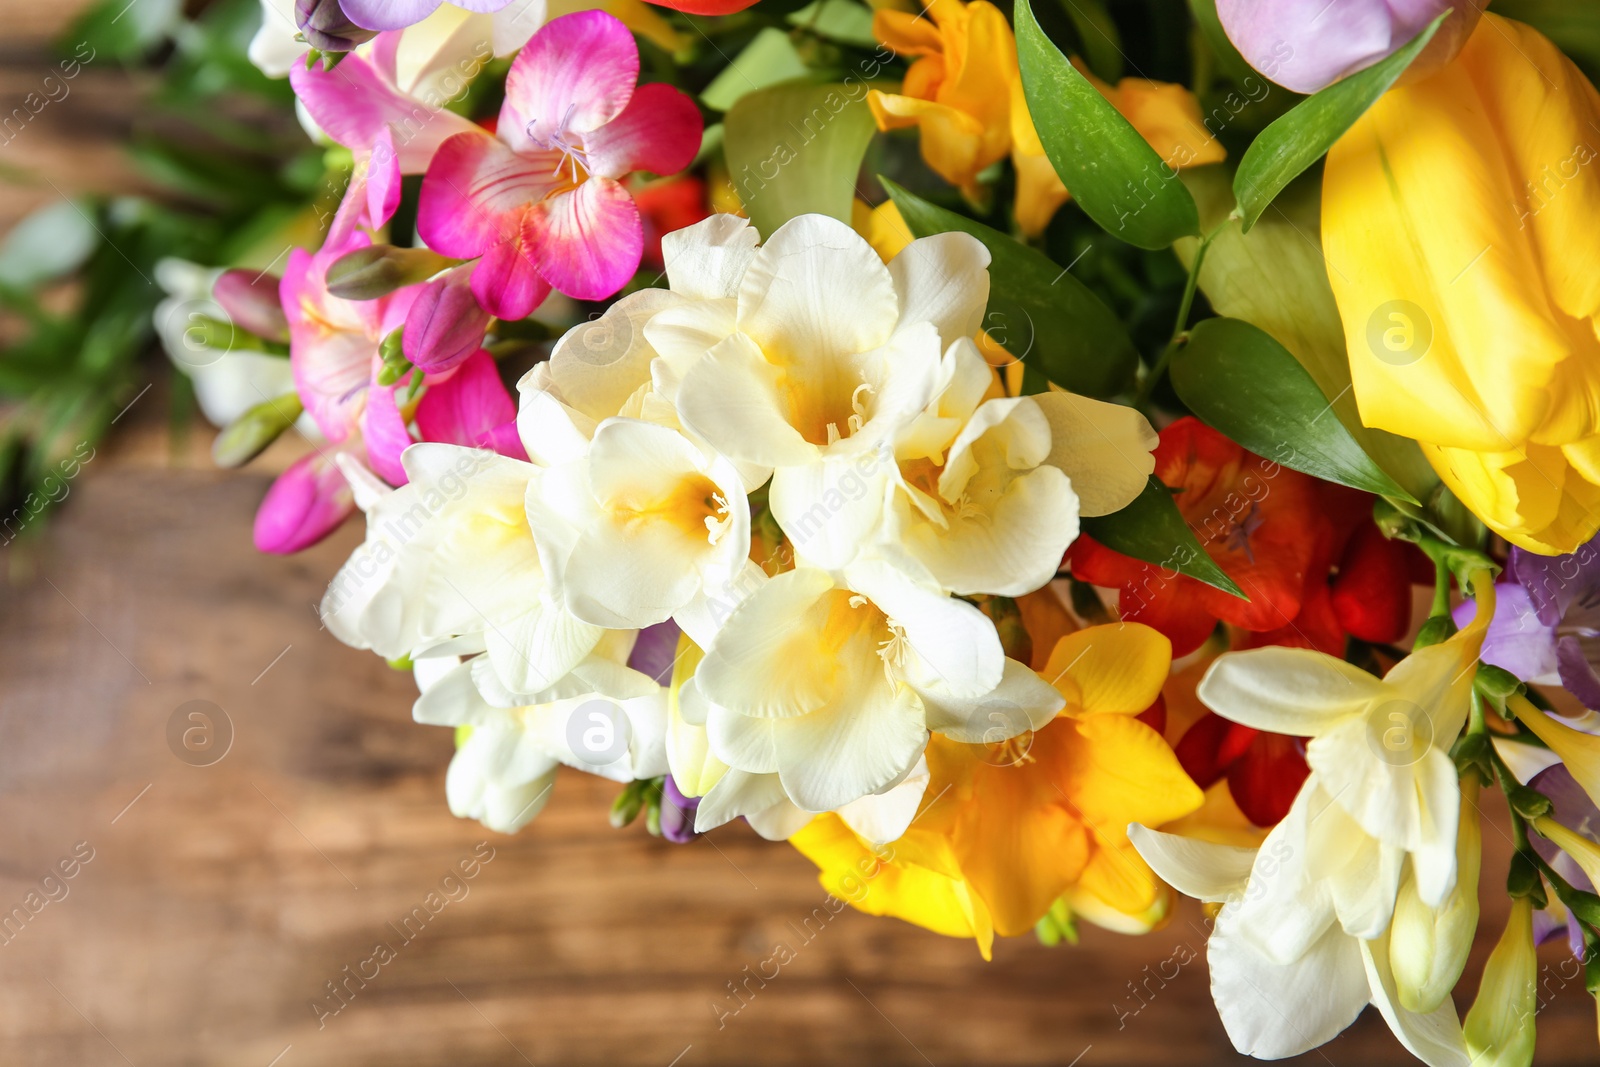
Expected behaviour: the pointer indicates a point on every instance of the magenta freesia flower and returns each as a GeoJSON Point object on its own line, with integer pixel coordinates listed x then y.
{"type": "Point", "coordinates": [306, 503]}
{"type": "Point", "coordinates": [540, 201]}
{"type": "Point", "coordinates": [1306, 45]}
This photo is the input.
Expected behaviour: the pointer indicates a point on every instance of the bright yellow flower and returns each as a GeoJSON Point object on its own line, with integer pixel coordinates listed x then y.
{"type": "Point", "coordinates": [1458, 220]}
{"type": "Point", "coordinates": [965, 93]}
{"type": "Point", "coordinates": [1006, 829]}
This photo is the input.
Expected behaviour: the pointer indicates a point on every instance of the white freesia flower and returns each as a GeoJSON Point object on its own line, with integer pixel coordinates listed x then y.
{"type": "Point", "coordinates": [986, 493]}
{"type": "Point", "coordinates": [1382, 788]}
{"type": "Point", "coordinates": [834, 685]}
{"type": "Point", "coordinates": [639, 526]}
{"type": "Point", "coordinates": [506, 765]}
{"type": "Point", "coordinates": [450, 557]}
{"type": "Point", "coordinates": [811, 357]}
{"type": "Point", "coordinates": [1273, 1008]}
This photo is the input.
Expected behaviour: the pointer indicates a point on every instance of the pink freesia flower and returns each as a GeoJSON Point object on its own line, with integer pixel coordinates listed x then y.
{"type": "Point", "coordinates": [360, 100]}
{"type": "Point", "coordinates": [472, 407]}
{"type": "Point", "coordinates": [540, 201]}
{"type": "Point", "coordinates": [445, 324]}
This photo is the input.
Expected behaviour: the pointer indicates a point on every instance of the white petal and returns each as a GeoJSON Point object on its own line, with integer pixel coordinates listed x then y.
{"type": "Point", "coordinates": [731, 399]}
{"type": "Point", "coordinates": [533, 651]}
{"type": "Point", "coordinates": [1287, 690]}
{"type": "Point", "coordinates": [753, 666]}
{"type": "Point", "coordinates": [1274, 1010]}
{"type": "Point", "coordinates": [757, 797]}
{"type": "Point", "coordinates": [1201, 869]}
{"type": "Point", "coordinates": [831, 509]}
{"type": "Point", "coordinates": [883, 817]}
{"type": "Point", "coordinates": [741, 741]}
{"type": "Point", "coordinates": [1022, 701]}
{"type": "Point", "coordinates": [845, 751]}
{"type": "Point", "coordinates": [1435, 1038]}
{"type": "Point", "coordinates": [708, 260]}
{"type": "Point", "coordinates": [956, 647]}
{"type": "Point", "coordinates": [1009, 545]}
{"type": "Point", "coordinates": [1104, 448]}
{"type": "Point", "coordinates": [598, 365]}
{"type": "Point", "coordinates": [817, 291]}
{"type": "Point", "coordinates": [682, 335]}
{"type": "Point", "coordinates": [943, 279]}
{"type": "Point", "coordinates": [452, 700]}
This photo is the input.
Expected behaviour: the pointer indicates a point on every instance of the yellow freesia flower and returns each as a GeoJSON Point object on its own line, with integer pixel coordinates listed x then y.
{"type": "Point", "coordinates": [1006, 829]}
{"type": "Point", "coordinates": [965, 94]}
{"type": "Point", "coordinates": [1457, 223]}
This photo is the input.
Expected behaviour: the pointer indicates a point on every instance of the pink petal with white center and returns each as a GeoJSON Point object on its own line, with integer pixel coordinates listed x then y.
{"type": "Point", "coordinates": [475, 192]}
{"type": "Point", "coordinates": [330, 347]}
{"type": "Point", "coordinates": [306, 503]}
{"type": "Point", "coordinates": [575, 75]}
{"type": "Point", "coordinates": [470, 408]}
{"type": "Point", "coordinates": [506, 283]}
{"type": "Point", "coordinates": [353, 104]}
{"type": "Point", "coordinates": [445, 324]}
{"type": "Point", "coordinates": [588, 241]}
{"type": "Point", "coordinates": [383, 179]}
{"type": "Point", "coordinates": [659, 131]}
{"type": "Point", "coordinates": [384, 430]}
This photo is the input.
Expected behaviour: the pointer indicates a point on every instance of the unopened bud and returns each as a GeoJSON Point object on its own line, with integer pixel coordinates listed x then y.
{"type": "Point", "coordinates": [250, 434]}
{"type": "Point", "coordinates": [395, 364]}
{"type": "Point", "coordinates": [378, 270]}
{"type": "Point", "coordinates": [445, 324]}
{"type": "Point", "coordinates": [252, 302]}
{"type": "Point", "coordinates": [326, 27]}
{"type": "Point", "coordinates": [628, 804]}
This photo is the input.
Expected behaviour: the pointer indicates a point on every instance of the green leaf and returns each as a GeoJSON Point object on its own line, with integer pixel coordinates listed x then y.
{"type": "Point", "coordinates": [845, 21]}
{"type": "Point", "coordinates": [1243, 383]}
{"type": "Point", "coordinates": [1304, 135]}
{"type": "Point", "coordinates": [797, 148]}
{"type": "Point", "coordinates": [768, 59]}
{"type": "Point", "coordinates": [1113, 173]}
{"type": "Point", "coordinates": [1152, 529]}
{"type": "Point", "coordinates": [1042, 314]}
{"type": "Point", "coordinates": [1102, 45]}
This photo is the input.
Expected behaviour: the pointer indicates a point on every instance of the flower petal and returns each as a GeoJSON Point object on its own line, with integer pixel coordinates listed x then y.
{"type": "Point", "coordinates": [659, 131]}
{"type": "Point", "coordinates": [707, 261]}
{"type": "Point", "coordinates": [1288, 690]}
{"type": "Point", "coordinates": [306, 503]}
{"type": "Point", "coordinates": [943, 279]}
{"type": "Point", "coordinates": [1118, 668]}
{"type": "Point", "coordinates": [575, 75]}
{"type": "Point", "coordinates": [588, 242]}
{"type": "Point", "coordinates": [1104, 448]}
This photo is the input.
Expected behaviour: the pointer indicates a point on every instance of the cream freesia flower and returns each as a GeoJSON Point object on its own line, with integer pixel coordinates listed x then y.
{"type": "Point", "coordinates": [986, 493]}
{"type": "Point", "coordinates": [807, 354]}
{"type": "Point", "coordinates": [639, 526]}
{"type": "Point", "coordinates": [1272, 1009]}
{"type": "Point", "coordinates": [506, 762]}
{"type": "Point", "coordinates": [833, 685]}
{"type": "Point", "coordinates": [449, 558]}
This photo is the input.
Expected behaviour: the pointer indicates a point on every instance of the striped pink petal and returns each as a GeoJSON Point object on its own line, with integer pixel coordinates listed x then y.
{"type": "Point", "coordinates": [475, 192]}
{"type": "Point", "coordinates": [588, 241]}
{"type": "Point", "coordinates": [384, 431]}
{"type": "Point", "coordinates": [472, 408]}
{"type": "Point", "coordinates": [331, 347]}
{"type": "Point", "coordinates": [574, 76]}
{"type": "Point", "coordinates": [506, 282]}
{"type": "Point", "coordinates": [659, 131]}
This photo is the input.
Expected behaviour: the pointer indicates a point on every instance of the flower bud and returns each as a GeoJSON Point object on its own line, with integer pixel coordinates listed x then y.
{"type": "Point", "coordinates": [305, 504]}
{"type": "Point", "coordinates": [445, 324]}
{"type": "Point", "coordinates": [250, 434]}
{"type": "Point", "coordinates": [1499, 1028]}
{"type": "Point", "coordinates": [252, 303]}
{"type": "Point", "coordinates": [677, 813]}
{"type": "Point", "coordinates": [1307, 45]}
{"type": "Point", "coordinates": [327, 28]}
{"type": "Point", "coordinates": [378, 270]}
{"type": "Point", "coordinates": [1428, 947]}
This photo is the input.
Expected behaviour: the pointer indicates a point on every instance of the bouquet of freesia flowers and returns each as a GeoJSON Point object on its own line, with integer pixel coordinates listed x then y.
{"type": "Point", "coordinates": [1000, 477]}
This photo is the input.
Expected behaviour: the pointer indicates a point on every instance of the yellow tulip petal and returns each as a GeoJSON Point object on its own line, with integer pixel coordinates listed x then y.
{"type": "Point", "coordinates": [1531, 496]}
{"type": "Point", "coordinates": [1116, 668]}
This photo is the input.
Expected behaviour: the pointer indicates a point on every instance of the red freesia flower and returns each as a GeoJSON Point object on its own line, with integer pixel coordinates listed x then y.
{"type": "Point", "coordinates": [1264, 770]}
{"type": "Point", "coordinates": [1288, 540]}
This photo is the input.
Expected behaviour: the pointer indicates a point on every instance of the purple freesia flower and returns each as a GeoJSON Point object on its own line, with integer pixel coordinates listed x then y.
{"type": "Point", "coordinates": [1306, 45]}
{"type": "Point", "coordinates": [1546, 625]}
{"type": "Point", "coordinates": [398, 14]}
{"type": "Point", "coordinates": [1574, 810]}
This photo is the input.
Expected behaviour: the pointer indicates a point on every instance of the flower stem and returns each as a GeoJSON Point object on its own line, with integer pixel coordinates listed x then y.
{"type": "Point", "coordinates": [1185, 306]}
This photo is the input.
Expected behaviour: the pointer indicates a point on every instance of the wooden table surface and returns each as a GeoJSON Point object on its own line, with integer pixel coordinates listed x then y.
{"type": "Point", "coordinates": [219, 902]}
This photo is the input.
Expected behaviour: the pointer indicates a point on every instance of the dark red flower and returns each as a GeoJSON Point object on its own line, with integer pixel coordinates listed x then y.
{"type": "Point", "coordinates": [1264, 770]}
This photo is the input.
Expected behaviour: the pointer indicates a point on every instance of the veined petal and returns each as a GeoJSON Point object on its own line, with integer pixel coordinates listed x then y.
{"type": "Point", "coordinates": [475, 193]}
{"type": "Point", "coordinates": [506, 282]}
{"type": "Point", "coordinates": [588, 241]}
{"type": "Point", "coordinates": [575, 75]}
{"type": "Point", "coordinates": [943, 279]}
{"type": "Point", "coordinates": [1118, 668]}
{"type": "Point", "coordinates": [659, 131]}
{"type": "Point", "coordinates": [1201, 869]}
{"type": "Point", "coordinates": [707, 261]}
{"type": "Point", "coordinates": [731, 399]}
{"type": "Point", "coordinates": [841, 753]}
{"type": "Point", "coordinates": [356, 105]}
